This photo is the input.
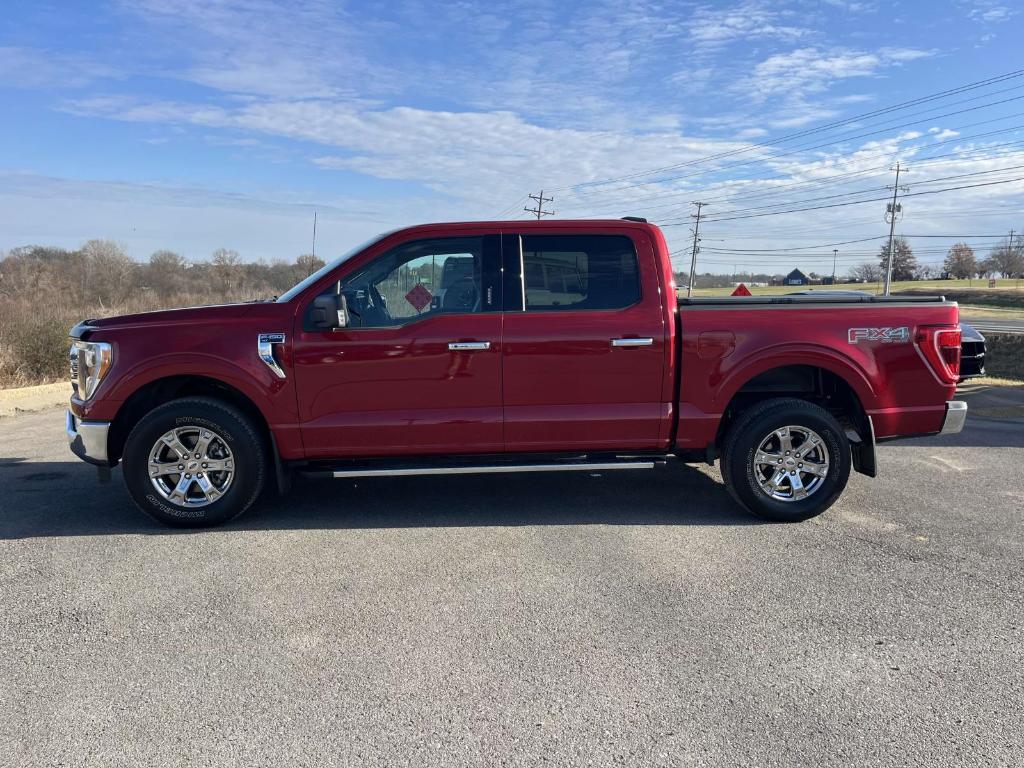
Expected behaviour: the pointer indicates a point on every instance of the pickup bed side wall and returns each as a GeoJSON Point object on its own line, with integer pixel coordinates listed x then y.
{"type": "Point", "coordinates": [894, 384]}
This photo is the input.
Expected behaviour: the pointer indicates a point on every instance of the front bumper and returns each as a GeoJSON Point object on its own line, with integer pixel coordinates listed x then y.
{"type": "Point", "coordinates": [956, 415]}
{"type": "Point", "coordinates": [88, 439]}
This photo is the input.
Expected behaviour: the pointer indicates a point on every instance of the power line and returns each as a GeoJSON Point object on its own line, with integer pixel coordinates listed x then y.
{"type": "Point", "coordinates": [853, 202]}
{"type": "Point", "coordinates": [507, 210]}
{"type": "Point", "coordinates": [819, 129]}
{"type": "Point", "coordinates": [805, 148]}
{"type": "Point", "coordinates": [799, 248]}
{"type": "Point", "coordinates": [864, 191]}
{"type": "Point", "coordinates": [857, 157]}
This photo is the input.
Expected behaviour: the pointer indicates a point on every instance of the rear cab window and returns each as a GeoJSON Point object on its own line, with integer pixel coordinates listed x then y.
{"type": "Point", "coordinates": [575, 273]}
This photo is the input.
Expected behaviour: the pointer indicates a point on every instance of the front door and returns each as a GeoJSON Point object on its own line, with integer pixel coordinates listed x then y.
{"type": "Point", "coordinates": [418, 369]}
{"type": "Point", "coordinates": [584, 344]}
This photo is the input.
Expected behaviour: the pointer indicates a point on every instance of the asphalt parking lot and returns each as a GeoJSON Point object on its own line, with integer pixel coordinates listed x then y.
{"type": "Point", "coordinates": [631, 618]}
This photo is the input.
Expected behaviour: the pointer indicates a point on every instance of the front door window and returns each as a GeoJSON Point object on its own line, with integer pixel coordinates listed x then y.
{"type": "Point", "coordinates": [417, 280]}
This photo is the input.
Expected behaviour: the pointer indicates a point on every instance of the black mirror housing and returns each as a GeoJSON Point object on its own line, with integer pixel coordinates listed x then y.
{"type": "Point", "coordinates": [330, 312]}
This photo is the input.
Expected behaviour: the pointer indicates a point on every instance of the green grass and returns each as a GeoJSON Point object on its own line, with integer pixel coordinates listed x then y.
{"type": "Point", "coordinates": [1004, 356]}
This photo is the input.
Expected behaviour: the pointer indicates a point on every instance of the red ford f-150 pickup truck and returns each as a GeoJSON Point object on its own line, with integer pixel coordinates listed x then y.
{"type": "Point", "coordinates": [508, 347]}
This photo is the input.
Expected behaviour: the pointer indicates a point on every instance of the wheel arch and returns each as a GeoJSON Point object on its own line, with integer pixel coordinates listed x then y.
{"type": "Point", "coordinates": [839, 389]}
{"type": "Point", "coordinates": [164, 389]}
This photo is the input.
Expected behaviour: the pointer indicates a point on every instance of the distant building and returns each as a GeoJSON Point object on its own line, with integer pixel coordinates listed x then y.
{"type": "Point", "coordinates": [796, 277]}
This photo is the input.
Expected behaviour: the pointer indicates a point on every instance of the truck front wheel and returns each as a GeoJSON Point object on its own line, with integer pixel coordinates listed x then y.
{"type": "Point", "coordinates": [786, 459]}
{"type": "Point", "coordinates": [194, 462]}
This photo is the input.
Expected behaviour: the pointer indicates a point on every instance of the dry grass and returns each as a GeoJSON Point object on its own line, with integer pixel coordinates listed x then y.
{"type": "Point", "coordinates": [34, 335]}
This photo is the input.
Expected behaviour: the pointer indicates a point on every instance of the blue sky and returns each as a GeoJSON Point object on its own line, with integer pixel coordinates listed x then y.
{"type": "Point", "coordinates": [205, 123]}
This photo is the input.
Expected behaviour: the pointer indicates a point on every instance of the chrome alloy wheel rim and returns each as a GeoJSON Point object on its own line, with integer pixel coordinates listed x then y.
{"type": "Point", "coordinates": [791, 463]}
{"type": "Point", "coordinates": [191, 466]}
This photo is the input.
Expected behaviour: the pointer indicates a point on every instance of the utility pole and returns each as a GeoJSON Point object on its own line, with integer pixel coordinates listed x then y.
{"type": "Point", "coordinates": [1012, 251]}
{"type": "Point", "coordinates": [892, 211]}
{"type": "Point", "coordinates": [835, 254]}
{"type": "Point", "coordinates": [539, 210]}
{"type": "Point", "coordinates": [696, 247]}
{"type": "Point", "coordinates": [314, 234]}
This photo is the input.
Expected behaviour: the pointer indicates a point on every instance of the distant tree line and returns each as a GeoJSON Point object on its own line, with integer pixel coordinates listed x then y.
{"type": "Point", "coordinates": [1004, 260]}
{"type": "Point", "coordinates": [101, 273]}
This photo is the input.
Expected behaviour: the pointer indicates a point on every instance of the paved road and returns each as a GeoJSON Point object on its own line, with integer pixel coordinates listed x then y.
{"type": "Point", "coordinates": [631, 619]}
{"type": "Point", "coordinates": [995, 325]}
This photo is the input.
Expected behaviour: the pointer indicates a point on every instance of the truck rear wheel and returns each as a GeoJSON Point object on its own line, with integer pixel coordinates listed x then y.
{"type": "Point", "coordinates": [194, 462]}
{"type": "Point", "coordinates": [786, 459]}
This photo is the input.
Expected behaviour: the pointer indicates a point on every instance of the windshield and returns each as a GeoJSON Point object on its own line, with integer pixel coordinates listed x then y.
{"type": "Point", "coordinates": [299, 287]}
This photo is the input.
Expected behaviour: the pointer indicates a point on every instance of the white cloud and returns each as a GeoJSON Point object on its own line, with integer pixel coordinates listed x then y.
{"type": "Point", "coordinates": [989, 12]}
{"type": "Point", "coordinates": [713, 27]}
{"type": "Point", "coordinates": [812, 70]}
{"type": "Point", "coordinates": [480, 156]}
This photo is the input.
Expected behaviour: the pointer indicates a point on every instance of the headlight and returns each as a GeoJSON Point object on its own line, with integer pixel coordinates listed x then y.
{"type": "Point", "coordinates": [90, 360]}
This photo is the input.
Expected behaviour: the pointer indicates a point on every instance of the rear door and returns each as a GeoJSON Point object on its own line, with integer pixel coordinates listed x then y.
{"type": "Point", "coordinates": [584, 342]}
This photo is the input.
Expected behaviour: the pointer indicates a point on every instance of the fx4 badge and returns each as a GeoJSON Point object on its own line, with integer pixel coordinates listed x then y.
{"type": "Point", "coordinates": [884, 335]}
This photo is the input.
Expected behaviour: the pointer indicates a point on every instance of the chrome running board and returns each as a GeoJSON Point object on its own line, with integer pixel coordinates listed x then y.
{"type": "Point", "coordinates": [484, 469]}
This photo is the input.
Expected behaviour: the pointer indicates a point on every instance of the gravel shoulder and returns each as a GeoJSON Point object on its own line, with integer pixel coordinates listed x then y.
{"type": "Point", "coordinates": [31, 399]}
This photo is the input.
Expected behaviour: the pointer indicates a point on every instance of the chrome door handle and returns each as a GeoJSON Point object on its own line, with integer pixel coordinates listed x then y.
{"type": "Point", "coordinates": [468, 346]}
{"type": "Point", "coordinates": [632, 342]}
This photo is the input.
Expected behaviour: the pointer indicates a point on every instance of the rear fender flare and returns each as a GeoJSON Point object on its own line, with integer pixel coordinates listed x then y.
{"type": "Point", "coordinates": [813, 356]}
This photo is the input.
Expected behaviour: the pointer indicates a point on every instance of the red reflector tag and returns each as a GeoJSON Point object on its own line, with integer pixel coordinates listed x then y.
{"type": "Point", "coordinates": [419, 297]}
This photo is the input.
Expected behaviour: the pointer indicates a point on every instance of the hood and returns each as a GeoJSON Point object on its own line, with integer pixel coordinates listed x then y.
{"type": "Point", "coordinates": [190, 315]}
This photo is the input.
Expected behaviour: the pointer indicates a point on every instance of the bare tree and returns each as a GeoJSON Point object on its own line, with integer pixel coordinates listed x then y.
{"type": "Point", "coordinates": [308, 264]}
{"type": "Point", "coordinates": [225, 268]}
{"type": "Point", "coordinates": [960, 261]}
{"type": "Point", "coordinates": [165, 272]}
{"type": "Point", "coordinates": [1006, 259]}
{"type": "Point", "coordinates": [868, 272]}
{"type": "Point", "coordinates": [110, 274]}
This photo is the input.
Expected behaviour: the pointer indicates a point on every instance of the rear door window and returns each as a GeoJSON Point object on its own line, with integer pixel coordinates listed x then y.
{"type": "Point", "coordinates": [579, 272]}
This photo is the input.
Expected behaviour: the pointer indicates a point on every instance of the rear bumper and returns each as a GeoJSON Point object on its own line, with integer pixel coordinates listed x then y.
{"type": "Point", "coordinates": [88, 439]}
{"type": "Point", "coordinates": [956, 415]}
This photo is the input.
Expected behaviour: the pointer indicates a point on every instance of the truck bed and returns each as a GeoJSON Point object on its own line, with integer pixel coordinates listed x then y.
{"type": "Point", "coordinates": [743, 301]}
{"type": "Point", "coordinates": [866, 344]}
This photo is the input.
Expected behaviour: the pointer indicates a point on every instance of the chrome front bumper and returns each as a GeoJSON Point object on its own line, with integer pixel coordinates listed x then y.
{"type": "Point", "coordinates": [88, 439]}
{"type": "Point", "coordinates": [956, 415]}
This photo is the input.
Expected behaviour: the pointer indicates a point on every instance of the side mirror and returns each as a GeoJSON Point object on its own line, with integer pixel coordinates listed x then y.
{"type": "Point", "coordinates": [330, 312]}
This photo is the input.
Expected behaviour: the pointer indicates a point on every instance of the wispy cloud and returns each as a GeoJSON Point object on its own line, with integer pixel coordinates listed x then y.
{"type": "Point", "coordinates": [22, 67]}
{"type": "Point", "coordinates": [990, 11]}
{"type": "Point", "coordinates": [812, 70]}
{"type": "Point", "coordinates": [478, 156]}
{"type": "Point", "coordinates": [715, 26]}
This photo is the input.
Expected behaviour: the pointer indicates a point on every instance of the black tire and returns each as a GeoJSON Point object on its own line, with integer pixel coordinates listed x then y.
{"type": "Point", "coordinates": [239, 435]}
{"type": "Point", "coordinates": [744, 439]}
